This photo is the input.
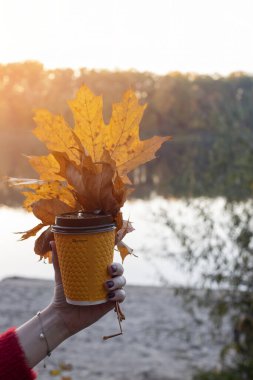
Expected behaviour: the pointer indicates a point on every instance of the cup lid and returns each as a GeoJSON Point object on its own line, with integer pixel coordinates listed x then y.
{"type": "Point", "coordinates": [83, 219]}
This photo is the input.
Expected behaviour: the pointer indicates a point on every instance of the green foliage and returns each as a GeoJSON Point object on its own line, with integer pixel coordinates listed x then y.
{"type": "Point", "coordinates": [219, 247]}
{"type": "Point", "coordinates": [243, 371]}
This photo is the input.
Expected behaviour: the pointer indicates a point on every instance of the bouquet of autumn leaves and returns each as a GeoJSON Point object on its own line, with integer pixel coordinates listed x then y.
{"type": "Point", "coordinates": [87, 166]}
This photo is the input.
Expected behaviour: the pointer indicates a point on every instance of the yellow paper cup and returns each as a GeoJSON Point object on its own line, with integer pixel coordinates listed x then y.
{"type": "Point", "coordinates": [85, 245]}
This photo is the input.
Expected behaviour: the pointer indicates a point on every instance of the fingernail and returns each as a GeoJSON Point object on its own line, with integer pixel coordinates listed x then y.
{"type": "Point", "coordinates": [111, 295]}
{"type": "Point", "coordinates": [114, 268]}
{"type": "Point", "coordinates": [109, 284]}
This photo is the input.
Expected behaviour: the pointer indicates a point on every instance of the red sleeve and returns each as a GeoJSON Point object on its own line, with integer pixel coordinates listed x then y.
{"type": "Point", "coordinates": [13, 365]}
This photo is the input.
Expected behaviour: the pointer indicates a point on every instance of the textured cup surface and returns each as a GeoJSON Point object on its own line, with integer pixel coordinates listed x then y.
{"type": "Point", "coordinates": [83, 261]}
{"type": "Point", "coordinates": [85, 245]}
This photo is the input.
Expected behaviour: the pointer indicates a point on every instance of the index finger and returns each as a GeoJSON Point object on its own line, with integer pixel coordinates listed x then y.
{"type": "Point", "coordinates": [115, 269]}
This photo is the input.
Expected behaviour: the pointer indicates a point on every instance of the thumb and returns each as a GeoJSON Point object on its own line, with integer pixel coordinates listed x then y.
{"type": "Point", "coordinates": [57, 272]}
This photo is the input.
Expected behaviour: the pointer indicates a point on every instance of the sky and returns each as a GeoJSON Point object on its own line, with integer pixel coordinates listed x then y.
{"type": "Point", "coordinates": [201, 36]}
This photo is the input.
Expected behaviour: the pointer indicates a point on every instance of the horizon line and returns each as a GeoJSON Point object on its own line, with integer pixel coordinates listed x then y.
{"type": "Point", "coordinates": [215, 74]}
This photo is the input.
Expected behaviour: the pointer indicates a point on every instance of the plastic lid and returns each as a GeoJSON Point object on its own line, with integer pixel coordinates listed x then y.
{"type": "Point", "coordinates": [83, 219]}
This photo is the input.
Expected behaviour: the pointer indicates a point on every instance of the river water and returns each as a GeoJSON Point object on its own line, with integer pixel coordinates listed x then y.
{"type": "Point", "coordinates": [152, 242]}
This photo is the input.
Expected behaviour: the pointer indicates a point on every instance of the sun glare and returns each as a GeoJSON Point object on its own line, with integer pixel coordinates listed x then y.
{"type": "Point", "coordinates": [158, 36]}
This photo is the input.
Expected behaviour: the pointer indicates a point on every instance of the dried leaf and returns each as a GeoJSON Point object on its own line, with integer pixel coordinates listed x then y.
{"type": "Point", "coordinates": [126, 228]}
{"type": "Point", "coordinates": [124, 250]}
{"type": "Point", "coordinates": [47, 256]}
{"type": "Point", "coordinates": [42, 247]}
{"type": "Point", "coordinates": [47, 209]}
{"type": "Point", "coordinates": [140, 153]}
{"type": "Point", "coordinates": [70, 171]}
{"type": "Point", "coordinates": [120, 190]}
{"type": "Point", "coordinates": [55, 372]}
{"type": "Point", "coordinates": [49, 190]}
{"type": "Point", "coordinates": [57, 135]}
{"type": "Point", "coordinates": [27, 183]}
{"type": "Point", "coordinates": [89, 125]}
{"type": "Point", "coordinates": [124, 127]}
{"type": "Point", "coordinates": [66, 366]}
{"type": "Point", "coordinates": [119, 220]}
{"type": "Point", "coordinates": [98, 190]}
{"type": "Point", "coordinates": [32, 232]}
{"type": "Point", "coordinates": [46, 166]}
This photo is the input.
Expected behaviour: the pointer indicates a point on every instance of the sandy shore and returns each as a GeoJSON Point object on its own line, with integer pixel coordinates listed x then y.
{"type": "Point", "coordinates": [160, 341]}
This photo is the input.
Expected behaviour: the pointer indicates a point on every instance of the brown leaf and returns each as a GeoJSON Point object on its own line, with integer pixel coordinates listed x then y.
{"type": "Point", "coordinates": [120, 190]}
{"type": "Point", "coordinates": [42, 247]}
{"type": "Point", "coordinates": [126, 228]}
{"type": "Point", "coordinates": [119, 220]}
{"type": "Point", "coordinates": [70, 171]}
{"type": "Point", "coordinates": [124, 250]}
{"type": "Point", "coordinates": [98, 194]}
{"type": "Point", "coordinates": [47, 256]}
{"type": "Point", "coordinates": [31, 232]}
{"type": "Point", "coordinates": [47, 209]}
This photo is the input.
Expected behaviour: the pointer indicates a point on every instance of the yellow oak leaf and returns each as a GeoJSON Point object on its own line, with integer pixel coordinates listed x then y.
{"type": "Point", "coordinates": [89, 125]}
{"type": "Point", "coordinates": [57, 135]}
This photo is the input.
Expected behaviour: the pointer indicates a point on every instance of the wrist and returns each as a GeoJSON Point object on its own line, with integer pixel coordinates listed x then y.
{"type": "Point", "coordinates": [54, 327]}
{"type": "Point", "coordinates": [29, 334]}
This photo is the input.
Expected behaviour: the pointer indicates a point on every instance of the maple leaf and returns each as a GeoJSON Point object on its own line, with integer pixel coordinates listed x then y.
{"type": "Point", "coordinates": [56, 134]}
{"type": "Point", "coordinates": [123, 129]}
{"type": "Point", "coordinates": [89, 125]}
{"type": "Point", "coordinates": [122, 140]}
{"type": "Point", "coordinates": [46, 166]}
{"type": "Point", "coordinates": [48, 190]}
{"type": "Point", "coordinates": [141, 153]}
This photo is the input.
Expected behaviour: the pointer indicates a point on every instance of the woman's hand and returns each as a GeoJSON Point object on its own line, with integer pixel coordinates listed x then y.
{"type": "Point", "coordinates": [77, 318]}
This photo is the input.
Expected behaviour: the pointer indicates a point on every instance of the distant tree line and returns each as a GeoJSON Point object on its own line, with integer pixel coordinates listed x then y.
{"type": "Point", "coordinates": [209, 118]}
